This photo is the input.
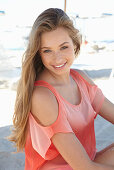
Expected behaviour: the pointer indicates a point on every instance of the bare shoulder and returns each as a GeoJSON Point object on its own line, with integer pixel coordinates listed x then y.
{"type": "Point", "coordinates": [44, 106]}
{"type": "Point", "coordinates": [85, 76]}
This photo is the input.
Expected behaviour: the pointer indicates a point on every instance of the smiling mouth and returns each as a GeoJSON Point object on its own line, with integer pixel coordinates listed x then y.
{"type": "Point", "coordinates": [60, 66]}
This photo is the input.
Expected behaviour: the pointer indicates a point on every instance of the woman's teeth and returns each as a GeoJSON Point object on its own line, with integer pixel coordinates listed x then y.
{"type": "Point", "coordinates": [60, 65]}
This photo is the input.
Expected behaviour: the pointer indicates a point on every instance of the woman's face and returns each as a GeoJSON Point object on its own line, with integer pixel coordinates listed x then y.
{"type": "Point", "coordinates": [57, 50]}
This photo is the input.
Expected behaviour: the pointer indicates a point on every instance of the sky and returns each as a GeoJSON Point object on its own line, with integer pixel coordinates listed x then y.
{"type": "Point", "coordinates": [25, 11]}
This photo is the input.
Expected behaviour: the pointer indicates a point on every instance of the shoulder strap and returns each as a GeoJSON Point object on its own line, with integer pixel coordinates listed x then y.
{"type": "Point", "coordinates": [75, 73]}
{"type": "Point", "coordinates": [49, 86]}
{"type": "Point", "coordinates": [82, 82]}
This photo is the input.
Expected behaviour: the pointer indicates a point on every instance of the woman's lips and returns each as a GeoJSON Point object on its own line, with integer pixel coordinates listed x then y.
{"type": "Point", "coordinates": [59, 66]}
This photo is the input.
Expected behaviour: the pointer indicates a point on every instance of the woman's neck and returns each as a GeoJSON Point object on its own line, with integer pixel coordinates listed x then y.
{"type": "Point", "coordinates": [50, 77]}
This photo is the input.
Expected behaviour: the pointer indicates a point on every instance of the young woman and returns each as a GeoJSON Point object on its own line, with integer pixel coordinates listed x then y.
{"type": "Point", "coordinates": [56, 106]}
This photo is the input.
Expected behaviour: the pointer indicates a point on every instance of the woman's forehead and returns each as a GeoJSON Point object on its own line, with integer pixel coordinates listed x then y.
{"type": "Point", "coordinates": [58, 36]}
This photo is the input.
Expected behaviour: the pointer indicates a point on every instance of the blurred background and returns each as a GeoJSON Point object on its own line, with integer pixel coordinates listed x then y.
{"type": "Point", "coordinates": [94, 19]}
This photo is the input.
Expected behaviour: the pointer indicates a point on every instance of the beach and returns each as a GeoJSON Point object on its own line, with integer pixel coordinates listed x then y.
{"type": "Point", "coordinates": [96, 61]}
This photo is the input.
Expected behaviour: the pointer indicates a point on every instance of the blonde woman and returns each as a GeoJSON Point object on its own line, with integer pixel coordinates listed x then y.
{"type": "Point", "coordinates": [56, 106]}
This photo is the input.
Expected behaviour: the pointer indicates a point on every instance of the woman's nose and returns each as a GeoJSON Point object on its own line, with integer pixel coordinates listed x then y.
{"type": "Point", "coordinates": [58, 57]}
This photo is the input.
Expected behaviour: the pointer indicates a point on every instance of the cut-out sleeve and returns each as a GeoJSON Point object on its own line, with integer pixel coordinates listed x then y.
{"type": "Point", "coordinates": [41, 136]}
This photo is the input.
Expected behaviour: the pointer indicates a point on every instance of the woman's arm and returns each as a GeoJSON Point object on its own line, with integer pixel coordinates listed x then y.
{"type": "Point", "coordinates": [74, 154]}
{"type": "Point", "coordinates": [107, 109]}
{"type": "Point", "coordinates": [45, 109]}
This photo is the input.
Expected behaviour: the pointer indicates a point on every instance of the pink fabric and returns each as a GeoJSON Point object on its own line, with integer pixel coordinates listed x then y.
{"type": "Point", "coordinates": [56, 167]}
{"type": "Point", "coordinates": [77, 119]}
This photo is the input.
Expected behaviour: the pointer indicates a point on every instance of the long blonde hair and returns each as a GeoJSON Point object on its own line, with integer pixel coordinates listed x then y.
{"type": "Point", "coordinates": [32, 65]}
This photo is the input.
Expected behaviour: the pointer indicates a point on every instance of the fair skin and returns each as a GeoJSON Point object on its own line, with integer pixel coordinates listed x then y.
{"type": "Point", "coordinates": [57, 53]}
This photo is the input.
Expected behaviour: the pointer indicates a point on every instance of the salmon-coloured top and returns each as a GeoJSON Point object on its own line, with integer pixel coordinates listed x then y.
{"type": "Point", "coordinates": [78, 119]}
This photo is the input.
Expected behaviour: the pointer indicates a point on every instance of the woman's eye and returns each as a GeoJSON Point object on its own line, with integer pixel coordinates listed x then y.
{"type": "Point", "coordinates": [47, 51]}
{"type": "Point", "coordinates": [64, 47]}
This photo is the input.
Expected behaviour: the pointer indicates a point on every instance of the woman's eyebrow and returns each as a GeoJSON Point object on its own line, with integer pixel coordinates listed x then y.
{"type": "Point", "coordinates": [63, 43]}
{"type": "Point", "coordinates": [44, 47]}
{"type": "Point", "coordinates": [59, 45]}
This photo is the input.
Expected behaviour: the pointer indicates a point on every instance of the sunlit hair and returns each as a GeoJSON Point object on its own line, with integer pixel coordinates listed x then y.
{"type": "Point", "coordinates": [32, 65]}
